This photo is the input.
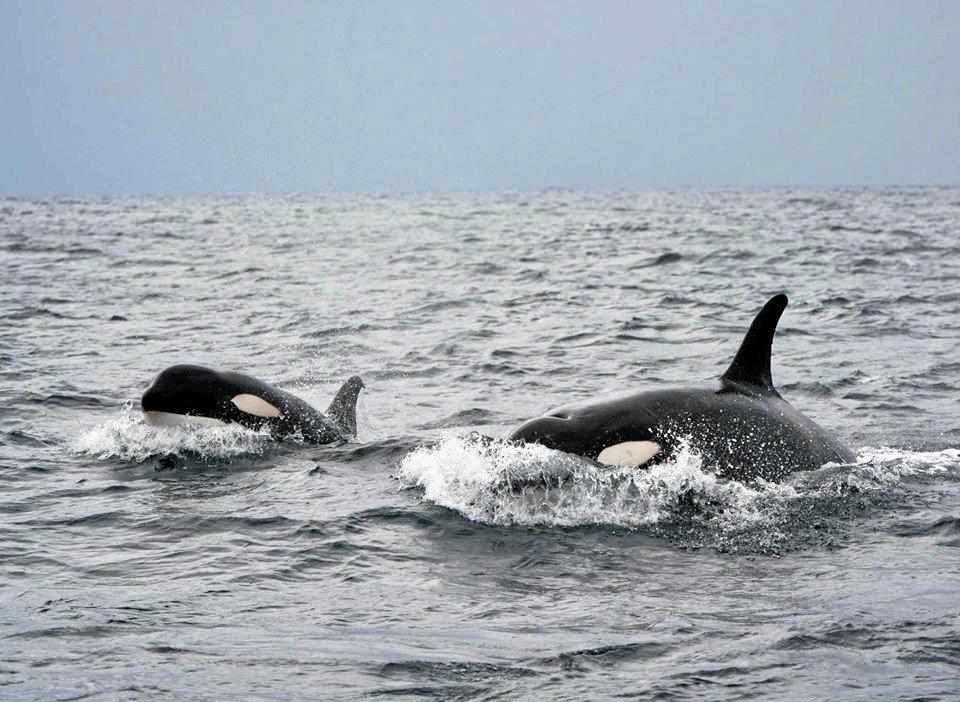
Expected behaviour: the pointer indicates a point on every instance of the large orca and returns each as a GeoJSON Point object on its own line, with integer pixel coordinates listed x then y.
{"type": "Point", "coordinates": [741, 427]}
{"type": "Point", "coordinates": [188, 394]}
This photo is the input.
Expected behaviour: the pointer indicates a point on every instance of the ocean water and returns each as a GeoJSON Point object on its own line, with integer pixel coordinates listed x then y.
{"type": "Point", "coordinates": [419, 562]}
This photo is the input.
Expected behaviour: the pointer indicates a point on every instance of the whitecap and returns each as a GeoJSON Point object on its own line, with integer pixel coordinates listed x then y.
{"type": "Point", "coordinates": [880, 468]}
{"type": "Point", "coordinates": [498, 482]}
{"type": "Point", "coordinates": [128, 438]}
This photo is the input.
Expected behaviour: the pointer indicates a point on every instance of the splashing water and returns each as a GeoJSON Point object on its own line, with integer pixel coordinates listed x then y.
{"type": "Point", "coordinates": [502, 483]}
{"type": "Point", "coordinates": [496, 482]}
{"type": "Point", "coordinates": [889, 464]}
{"type": "Point", "coordinates": [128, 438]}
{"type": "Point", "coordinates": [879, 468]}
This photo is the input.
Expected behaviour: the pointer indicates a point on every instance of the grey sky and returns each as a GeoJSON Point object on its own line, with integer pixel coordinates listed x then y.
{"type": "Point", "coordinates": [204, 97]}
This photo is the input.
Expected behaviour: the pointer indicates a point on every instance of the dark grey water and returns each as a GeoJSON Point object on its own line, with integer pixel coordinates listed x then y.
{"type": "Point", "coordinates": [215, 564]}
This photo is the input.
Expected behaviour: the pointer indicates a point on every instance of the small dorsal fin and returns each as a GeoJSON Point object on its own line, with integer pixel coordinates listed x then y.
{"type": "Point", "coordinates": [750, 369]}
{"type": "Point", "coordinates": [343, 410]}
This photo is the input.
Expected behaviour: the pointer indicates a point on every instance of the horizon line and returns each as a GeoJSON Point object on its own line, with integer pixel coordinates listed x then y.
{"type": "Point", "coordinates": [388, 192]}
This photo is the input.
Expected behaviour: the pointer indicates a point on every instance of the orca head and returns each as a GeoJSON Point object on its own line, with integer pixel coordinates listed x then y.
{"type": "Point", "coordinates": [547, 431]}
{"type": "Point", "coordinates": [585, 436]}
{"type": "Point", "coordinates": [194, 395]}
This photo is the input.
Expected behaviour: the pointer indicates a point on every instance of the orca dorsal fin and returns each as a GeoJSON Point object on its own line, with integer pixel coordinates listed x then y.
{"type": "Point", "coordinates": [343, 410]}
{"type": "Point", "coordinates": [750, 369]}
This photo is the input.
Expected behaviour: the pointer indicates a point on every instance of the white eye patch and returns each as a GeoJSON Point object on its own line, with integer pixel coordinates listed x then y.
{"type": "Point", "coordinates": [629, 454]}
{"type": "Point", "coordinates": [251, 404]}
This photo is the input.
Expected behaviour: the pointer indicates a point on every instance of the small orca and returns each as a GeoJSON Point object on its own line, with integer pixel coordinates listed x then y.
{"type": "Point", "coordinates": [740, 427]}
{"type": "Point", "coordinates": [188, 394]}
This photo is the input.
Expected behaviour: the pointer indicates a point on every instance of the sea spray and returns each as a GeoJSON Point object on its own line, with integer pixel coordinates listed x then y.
{"type": "Point", "coordinates": [499, 482]}
{"type": "Point", "coordinates": [127, 437]}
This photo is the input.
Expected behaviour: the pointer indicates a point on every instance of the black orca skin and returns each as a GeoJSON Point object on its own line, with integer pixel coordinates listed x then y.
{"type": "Point", "coordinates": [741, 426]}
{"type": "Point", "coordinates": [185, 394]}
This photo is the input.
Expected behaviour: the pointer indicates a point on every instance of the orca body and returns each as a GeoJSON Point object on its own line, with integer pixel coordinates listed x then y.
{"type": "Point", "coordinates": [741, 426]}
{"type": "Point", "coordinates": [187, 394]}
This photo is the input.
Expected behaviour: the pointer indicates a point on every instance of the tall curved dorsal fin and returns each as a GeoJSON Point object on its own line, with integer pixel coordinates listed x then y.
{"type": "Point", "coordinates": [343, 410]}
{"type": "Point", "coordinates": [750, 369]}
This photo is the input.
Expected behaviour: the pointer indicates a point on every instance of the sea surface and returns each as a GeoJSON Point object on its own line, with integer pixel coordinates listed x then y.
{"type": "Point", "coordinates": [418, 561]}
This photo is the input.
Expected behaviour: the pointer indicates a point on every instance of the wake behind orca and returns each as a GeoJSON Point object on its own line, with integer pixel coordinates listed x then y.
{"type": "Point", "coordinates": [187, 394]}
{"type": "Point", "coordinates": [742, 427]}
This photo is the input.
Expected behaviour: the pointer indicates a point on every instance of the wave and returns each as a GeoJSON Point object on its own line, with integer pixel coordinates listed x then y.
{"type": "Point", "coordinates": [127, 437]}
{"type": "Point", "coordinates": [500, 483]}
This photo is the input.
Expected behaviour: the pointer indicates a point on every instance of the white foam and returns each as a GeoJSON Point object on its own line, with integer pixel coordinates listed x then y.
{"type": "Point", "coordinates": [929, 462]}
{"type": "Point", "coordinates": [496, 482]}
{"type": "Point", "coordinates": [501, 483]}
{"type": "Point", "coordinates": [127, 437]}
{"type": "Point", "coordinates": [172, 419]}
{"type": "Point", "coordinates": [880, 467]}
